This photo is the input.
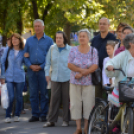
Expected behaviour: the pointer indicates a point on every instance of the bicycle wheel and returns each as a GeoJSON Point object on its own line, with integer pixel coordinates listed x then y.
{"type": "Point", "coordinates": [97, 119]}
{"type": "Point", "coordinates": [128, 122]}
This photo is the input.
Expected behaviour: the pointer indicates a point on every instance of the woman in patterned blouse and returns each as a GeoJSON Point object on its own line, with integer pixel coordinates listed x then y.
{"type": "Point", "coordinates": [83, 60]}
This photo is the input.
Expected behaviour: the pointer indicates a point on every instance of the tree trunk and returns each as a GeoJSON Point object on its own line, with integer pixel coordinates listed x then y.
{"type": "Point", "coordinates": [20, 23]}
{"type": "Point", "coordinates": [4, 40]}
{"type": "Point", "coordinates": [35, 9]}
{"type": "Point", "coordinates": [4, 35]}
{"type": "Point", "coordinates": [67, 30]}
{"type": "Point", "coordinates": [46, 9]}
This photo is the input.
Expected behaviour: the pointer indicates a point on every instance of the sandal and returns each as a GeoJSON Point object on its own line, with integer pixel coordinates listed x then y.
{"type": "Point", "coordinates": [85, 132]}
{"type": "Point", "coordinates": [78, 131]}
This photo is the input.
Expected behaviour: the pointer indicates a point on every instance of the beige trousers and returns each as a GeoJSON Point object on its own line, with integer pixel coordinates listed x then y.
{"type": "Point", "coordinates": [82, 98]}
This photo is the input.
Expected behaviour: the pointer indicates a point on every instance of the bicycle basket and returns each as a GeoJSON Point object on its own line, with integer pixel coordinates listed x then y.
{"type": "Point", "coordinates": [126, 90]}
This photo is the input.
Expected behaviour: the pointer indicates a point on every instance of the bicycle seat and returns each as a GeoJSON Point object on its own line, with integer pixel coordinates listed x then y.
{"type": "Point", "coordinates": [108, 88]}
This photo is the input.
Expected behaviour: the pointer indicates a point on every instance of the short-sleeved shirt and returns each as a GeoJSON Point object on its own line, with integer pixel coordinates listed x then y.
{"type": "Point", "coordinates": [83, 61]}
{"type": "Point", "coordinates": [100, 44]}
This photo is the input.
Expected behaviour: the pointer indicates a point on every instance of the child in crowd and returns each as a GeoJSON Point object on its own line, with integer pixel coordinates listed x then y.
{"type": "Point", "coordinates": [110, 50]}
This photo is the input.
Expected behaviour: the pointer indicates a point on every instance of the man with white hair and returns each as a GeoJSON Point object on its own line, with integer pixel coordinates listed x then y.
{"type": "Point", "coordinates": [37, 47]}
{"type": "Point", "coordinates": [99, 42]}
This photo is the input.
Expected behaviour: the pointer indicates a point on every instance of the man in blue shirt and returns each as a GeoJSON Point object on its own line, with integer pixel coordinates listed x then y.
{"type": "Point", "coordinates": [99, 42]}
{"type": "Point", "coordinates": [37, 46]}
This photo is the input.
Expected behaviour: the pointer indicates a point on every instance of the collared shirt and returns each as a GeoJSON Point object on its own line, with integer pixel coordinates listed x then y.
{"type": "Point", "coordinates": [15, 71]}
{"type": "Point", "coordinates": [37, 50]}
{"type": "Point", "coordinates": [100, 44]}
{"type": "Point", "coordinates": [59, 63]}
{"type": "Point", "coordinates": [83, 61]}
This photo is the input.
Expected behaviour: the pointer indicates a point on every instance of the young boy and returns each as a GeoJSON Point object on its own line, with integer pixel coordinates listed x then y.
{"type": "Point", "coordinates": [110, 50]}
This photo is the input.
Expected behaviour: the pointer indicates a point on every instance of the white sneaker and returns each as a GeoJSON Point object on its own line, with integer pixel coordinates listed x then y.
{"type": "Point", "coordinates": [65, 124]}
{"type": "Point", "coordinates": [8, 120]}
{"type": "Point", "coordinates": [16, 119]}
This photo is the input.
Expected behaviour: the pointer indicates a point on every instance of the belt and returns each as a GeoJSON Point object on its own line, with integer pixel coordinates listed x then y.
{"type": "Point", "coordinates": [36, 64]}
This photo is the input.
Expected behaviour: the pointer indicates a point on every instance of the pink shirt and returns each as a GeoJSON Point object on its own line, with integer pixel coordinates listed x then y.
{"type": "Point", "coordinates": [83, 61]}
{"type": "Point", "coordinates": [120, 49]}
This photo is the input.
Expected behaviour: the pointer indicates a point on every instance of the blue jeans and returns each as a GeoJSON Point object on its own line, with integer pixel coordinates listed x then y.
{"type": "Point", "coordinates": [14, 90]}
{"type": "Point", "coordinates": [37, 83]}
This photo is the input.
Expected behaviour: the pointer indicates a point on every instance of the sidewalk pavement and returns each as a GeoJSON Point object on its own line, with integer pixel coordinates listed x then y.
{"type": "Point", "coordinates": [25, 127]}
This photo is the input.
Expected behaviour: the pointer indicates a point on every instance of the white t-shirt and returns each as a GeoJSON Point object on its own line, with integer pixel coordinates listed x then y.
{"type": "Point", "coordinates": [130, 71]}
{"type": "Point", "coordinates": [106, 79]}
{"type": "Point", "coordinates": [16, 52]}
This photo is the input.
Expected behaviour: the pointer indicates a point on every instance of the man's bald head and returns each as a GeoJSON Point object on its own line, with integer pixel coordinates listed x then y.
{"type": "Point", "coordinates": [104, 24]}
{"type": "Point", "coordinates": [104, 18]}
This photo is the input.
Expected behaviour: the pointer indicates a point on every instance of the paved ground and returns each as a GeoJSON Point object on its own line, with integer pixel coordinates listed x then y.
{"type": "Point", "coordinates": [24, 127]}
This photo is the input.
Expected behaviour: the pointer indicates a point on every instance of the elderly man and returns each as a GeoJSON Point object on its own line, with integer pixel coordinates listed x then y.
{"type": "Point", "coordinates": [37, 46]}
{"type": "Point", "coordinates": [99, 42]}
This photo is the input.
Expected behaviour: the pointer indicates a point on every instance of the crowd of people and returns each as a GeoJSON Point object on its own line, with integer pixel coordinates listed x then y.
{"type": "Point", "coordinates": [68, 70]}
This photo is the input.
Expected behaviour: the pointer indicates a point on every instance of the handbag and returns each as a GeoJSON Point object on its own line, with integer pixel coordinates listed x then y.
{"type": "Point", "coordinates": [4, 96]}
{"type": "Point", "coordinates": [96, 75]}
{"type": "Point", "coordinates": [126, 88]}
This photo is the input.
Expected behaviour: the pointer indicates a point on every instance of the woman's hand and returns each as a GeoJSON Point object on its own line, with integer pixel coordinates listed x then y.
{"type": "Point", "coordinates": [84, 72]}
{"type": "Point", "coordinates": [110, 68]}
{"type": "Point", "coordinates": [2, 81]}
{"type": "Point", "coordinates": [48, 79]}
{"type": "Point", "coordinates": [26, 55]}
{"type": "Point", "coordinates": [78, 76]}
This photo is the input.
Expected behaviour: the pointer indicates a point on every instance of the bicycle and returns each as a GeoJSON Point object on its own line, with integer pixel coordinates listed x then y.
{"type": "Point", "coordinates": [104, 112]}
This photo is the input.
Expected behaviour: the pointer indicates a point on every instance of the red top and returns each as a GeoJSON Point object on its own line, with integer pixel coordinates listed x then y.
{"type": "Point", "coordinates": [120, 49]}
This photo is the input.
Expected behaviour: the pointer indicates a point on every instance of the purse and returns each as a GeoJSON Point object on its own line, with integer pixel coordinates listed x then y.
{"type": "Point", "coordinates": [126, 90]}
{"type": "Point", "coordinates": [96, 75]}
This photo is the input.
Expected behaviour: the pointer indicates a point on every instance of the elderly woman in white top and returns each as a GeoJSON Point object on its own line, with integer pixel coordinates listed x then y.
{"type": "Point", "coordinates": [124, 61]}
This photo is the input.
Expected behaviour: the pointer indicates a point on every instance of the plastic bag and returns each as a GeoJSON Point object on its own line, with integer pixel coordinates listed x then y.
{"type": "Point", "coordinates": [4, 96]}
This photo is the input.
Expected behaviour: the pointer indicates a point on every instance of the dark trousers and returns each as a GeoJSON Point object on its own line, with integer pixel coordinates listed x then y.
{"type": "Point", "coordinates": [59, 92]}
{"type": "Point", "coordinates": [37, 83]}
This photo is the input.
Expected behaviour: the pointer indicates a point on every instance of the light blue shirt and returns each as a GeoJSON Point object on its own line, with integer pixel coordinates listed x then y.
{"type": "Point", "coordinates": [59, 63]}
{"type": "Point", "coordinates": [37, 50]}
{"type": "Point", "coordinates": [15, 71]}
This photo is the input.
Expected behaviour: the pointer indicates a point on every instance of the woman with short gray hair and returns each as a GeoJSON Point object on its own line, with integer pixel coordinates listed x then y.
{"type": "Point", "coordinates": [83, 60]}
{"type": "Point", "coordinates": [128, 40]}
{"type": "Point", "coordinates": [124, 61]}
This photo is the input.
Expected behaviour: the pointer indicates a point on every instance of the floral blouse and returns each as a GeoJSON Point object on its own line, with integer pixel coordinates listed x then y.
{"type": "Point", "coordinates": [83, 61]}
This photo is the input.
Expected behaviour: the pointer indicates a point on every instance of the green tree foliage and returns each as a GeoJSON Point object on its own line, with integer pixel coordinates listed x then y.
{"type": "Point", "coordinates": [118, 11]}
{"type": "Point", "coordinates": [17, 15]}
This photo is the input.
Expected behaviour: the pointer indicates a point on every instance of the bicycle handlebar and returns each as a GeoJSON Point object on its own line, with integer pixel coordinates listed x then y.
{"type": "Point", "coordinates": [120, 70]}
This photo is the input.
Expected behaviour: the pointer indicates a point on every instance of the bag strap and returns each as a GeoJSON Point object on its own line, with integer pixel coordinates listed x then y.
{"type": "Point", "coordinates": [6, 63]}
{"type": "Point", "coordinates": [52, 47]}
{"type": "Point", "coordinates": [51, 50]}
{"type": "Point", "coordinates": [92, 48]}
